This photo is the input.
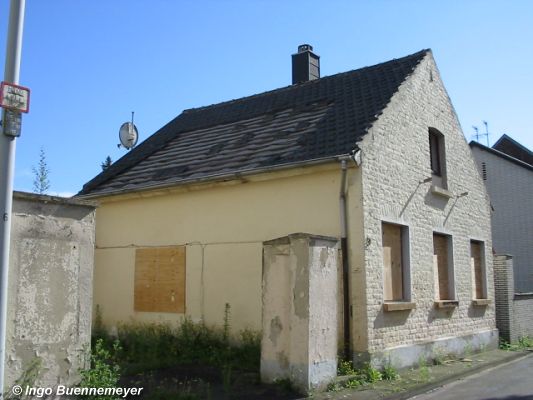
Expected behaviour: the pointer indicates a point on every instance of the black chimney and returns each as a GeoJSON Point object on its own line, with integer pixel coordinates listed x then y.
{"type": "Point", "coordinates": [305, 65]}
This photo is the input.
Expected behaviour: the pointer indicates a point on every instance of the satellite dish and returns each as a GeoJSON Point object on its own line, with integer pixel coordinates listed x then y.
{"type": "Point", "coordinates": [128, 134]}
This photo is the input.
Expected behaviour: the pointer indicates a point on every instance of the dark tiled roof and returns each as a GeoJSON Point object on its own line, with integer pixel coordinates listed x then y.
{"type": "Point", "coordinates": [511, 147]}
{"type": "Point", "coordinates": [299, 123]}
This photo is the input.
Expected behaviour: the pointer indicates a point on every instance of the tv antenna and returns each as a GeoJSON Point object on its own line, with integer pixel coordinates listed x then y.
{"type": "Point", "coordinates": [128, 134]}
{"type": "Point", "coordinates": [477, 135]}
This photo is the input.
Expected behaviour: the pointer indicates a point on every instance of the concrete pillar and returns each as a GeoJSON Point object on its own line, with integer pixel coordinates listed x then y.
{"type": "Point", "coordinates": [504, 296]}
{"type": "Point", "coordinates": [300, 318]}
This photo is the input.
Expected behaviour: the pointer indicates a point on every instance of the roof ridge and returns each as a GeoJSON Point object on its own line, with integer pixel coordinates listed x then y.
{"type": "Point", "coordinates": [298, 85]}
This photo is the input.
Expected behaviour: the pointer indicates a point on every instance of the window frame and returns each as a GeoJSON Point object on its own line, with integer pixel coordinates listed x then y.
{"type": "Point", "coordinates": [405, 247]}
{"type": "Point", "coordinates": [450, 268]}
{"type": "Point", "coordinates": [483, 269]}
{"type": "Point", "coordinates": [437, 157]}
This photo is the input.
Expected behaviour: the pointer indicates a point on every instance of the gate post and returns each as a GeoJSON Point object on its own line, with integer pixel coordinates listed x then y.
{"type": "Point", "coordinates": [300, 316]}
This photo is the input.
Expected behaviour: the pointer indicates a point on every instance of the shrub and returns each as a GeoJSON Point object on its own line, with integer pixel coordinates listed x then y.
{"type": "Point", "coordinates": [104, 372]}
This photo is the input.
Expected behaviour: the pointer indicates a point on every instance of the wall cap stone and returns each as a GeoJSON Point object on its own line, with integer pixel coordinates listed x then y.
{"type": "Point", "coordinates": [44, 198]}
{"type": "Point", "coordinates": [330, 241]}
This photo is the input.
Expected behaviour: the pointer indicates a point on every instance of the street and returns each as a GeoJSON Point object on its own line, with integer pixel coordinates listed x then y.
{"type": "Point", "coordinates": [512, 381]}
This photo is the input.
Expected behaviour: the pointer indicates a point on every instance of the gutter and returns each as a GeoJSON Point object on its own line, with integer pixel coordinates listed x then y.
{"type": "Point", "coordinates": [216, 177]}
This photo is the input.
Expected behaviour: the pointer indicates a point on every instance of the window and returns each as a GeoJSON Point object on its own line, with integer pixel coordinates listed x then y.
{"type": "Point", "coordinates": [477, 262]}
{"type": "Point", "coordinates": [437, 157]}
{"type": "Point", "coordinates": [395, 245]}
{"type": "Point", "coordinates": [443, 267]}
{"type": "Point", "coordinates": [160, 279]}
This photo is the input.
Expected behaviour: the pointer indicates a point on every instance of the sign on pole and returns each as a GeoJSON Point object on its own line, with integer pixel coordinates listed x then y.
{"type": "Point", "coordinates": [14, 97]}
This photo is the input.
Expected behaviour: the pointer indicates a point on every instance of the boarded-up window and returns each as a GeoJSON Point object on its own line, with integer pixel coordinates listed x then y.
{"type": "Point", "coordinates": [160, 279]}
{"type": "Point", "coordinates": [393, 260]}
{"type": "Point", "coordinates": [443, 267]}
{"type": "Point", "coordinates": [478, 269]}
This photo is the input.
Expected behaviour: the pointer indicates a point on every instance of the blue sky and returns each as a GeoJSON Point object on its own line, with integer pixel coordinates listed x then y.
{"type": "Point", "coordinates": [89, 63]}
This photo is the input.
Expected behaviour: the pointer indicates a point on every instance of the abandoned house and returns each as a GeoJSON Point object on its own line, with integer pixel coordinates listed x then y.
{"type": "Point", "coordinates": [374, 157]}
{"type": "Point", "coordinates": [507, 170]}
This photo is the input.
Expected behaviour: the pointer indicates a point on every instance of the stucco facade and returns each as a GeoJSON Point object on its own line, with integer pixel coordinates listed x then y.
{"type": "Point", "coordinates": [223, 223]}
{"type": "Point", "coordinates": [223, 226]}
{"type": "Point", "coordinates": [50, 289]}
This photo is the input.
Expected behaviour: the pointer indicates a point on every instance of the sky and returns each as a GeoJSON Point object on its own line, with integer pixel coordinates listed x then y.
{"type": "Point", "coordinates": [90, 63]}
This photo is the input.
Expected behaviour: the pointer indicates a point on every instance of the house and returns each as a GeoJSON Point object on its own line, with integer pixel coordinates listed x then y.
{"type": "Point", "coordinates": [507, 170]}
{"type": "Point", "coordinates": [374, 157]}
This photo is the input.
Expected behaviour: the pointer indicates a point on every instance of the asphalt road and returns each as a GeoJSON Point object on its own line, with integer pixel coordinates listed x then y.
{"type": "Point", "coordinates": [512, 381]}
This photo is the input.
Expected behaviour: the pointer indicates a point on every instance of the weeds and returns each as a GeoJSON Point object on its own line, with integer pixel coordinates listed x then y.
{"type": "Point", "coordinates": [523, 343]}
{"type": "Point", "coordinates": [104, 371]}
{"type": "Point", "coordinates": [27, 379]}
{"type": "Point", "coordinates": [371, 374]}
{"type": "Point", "coordinates": [423, 369]}
{"type": "Point", "coordinates": [389, 373]}
{"type": "Point", "coordinates": [345, 368]}
{"type": "Point", "coordinates": [360, 377]}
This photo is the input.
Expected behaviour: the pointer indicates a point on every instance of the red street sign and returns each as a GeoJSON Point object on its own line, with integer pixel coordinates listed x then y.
{"type": "Point", "coordinates": [14, 97]}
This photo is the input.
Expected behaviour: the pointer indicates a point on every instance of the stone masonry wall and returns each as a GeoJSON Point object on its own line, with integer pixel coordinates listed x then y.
{"type": "Point", "coordinates": [395, 163]}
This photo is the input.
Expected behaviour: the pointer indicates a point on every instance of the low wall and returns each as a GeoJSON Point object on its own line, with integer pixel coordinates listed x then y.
{"type": "Point", "coordinates": [50, 288]}
{"type": "Point", "coordinates": [513, 311]}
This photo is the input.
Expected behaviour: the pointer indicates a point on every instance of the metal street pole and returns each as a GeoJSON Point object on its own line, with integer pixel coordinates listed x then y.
{"type": "Point", "coordinates": [7, 168]}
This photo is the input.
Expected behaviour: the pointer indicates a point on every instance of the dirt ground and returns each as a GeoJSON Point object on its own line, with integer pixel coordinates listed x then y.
{"type": "Point", "coordinates": [195, 383]}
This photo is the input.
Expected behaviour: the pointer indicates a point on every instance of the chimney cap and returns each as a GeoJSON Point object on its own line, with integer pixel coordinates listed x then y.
{"type": "Point", "coordinates": [304, 47]}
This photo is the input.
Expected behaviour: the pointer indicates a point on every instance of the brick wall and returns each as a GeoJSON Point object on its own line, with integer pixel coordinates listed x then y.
{"type": "Point", "coordinates": [513, 311]}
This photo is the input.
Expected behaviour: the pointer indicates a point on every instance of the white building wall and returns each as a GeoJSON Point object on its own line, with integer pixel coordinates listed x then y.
{"type": "Point", "coordinates": [395, 160]}
{"type": "Point", "coordinates": [510, 188]}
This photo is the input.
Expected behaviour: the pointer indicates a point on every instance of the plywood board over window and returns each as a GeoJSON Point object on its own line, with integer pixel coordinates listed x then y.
{"type": "Point", "coordinates": [441, 264]}
{"type": "Point", "coordinates": [160, 279]}
{"type": "Point", "coordinates": [392, 262]}
{"type": "Point", "coordinates": [477, 263]}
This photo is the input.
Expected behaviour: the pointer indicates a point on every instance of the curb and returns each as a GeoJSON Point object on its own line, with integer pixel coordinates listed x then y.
{"type": "Point", "coordinates": [418, 390]}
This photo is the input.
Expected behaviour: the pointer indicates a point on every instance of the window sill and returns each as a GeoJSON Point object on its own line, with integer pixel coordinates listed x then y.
{"type": "Point", "coordinates": [398, 305]}
{"type": "Point", "coordinates": [446, 303]}
{"type": "Point", "coordinates": [441, 192]}
{"type": "Point", "coordinates": [481, 302]}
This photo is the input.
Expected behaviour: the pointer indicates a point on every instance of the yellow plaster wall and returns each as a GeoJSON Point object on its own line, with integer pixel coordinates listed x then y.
{"type": "Point", "coordinates": [223, 227]}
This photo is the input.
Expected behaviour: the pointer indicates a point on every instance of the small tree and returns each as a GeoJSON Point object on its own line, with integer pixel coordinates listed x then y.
{"type": "Point", "coordinates": [107, 163]}
{"type": "Point", "coordinates": [41, 182]}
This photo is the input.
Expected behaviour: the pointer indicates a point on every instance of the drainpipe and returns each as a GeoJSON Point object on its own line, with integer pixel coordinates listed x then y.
{"type": "Point", "coordinates": [345, 266]}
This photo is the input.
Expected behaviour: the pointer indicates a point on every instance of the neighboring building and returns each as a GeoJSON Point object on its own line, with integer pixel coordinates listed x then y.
{"type": "Point", "coordinates": [507, 169]}
{"type": "Point", "coordinates": [50, 290]}
{"type": "Point", "coordinates": [183, 216]}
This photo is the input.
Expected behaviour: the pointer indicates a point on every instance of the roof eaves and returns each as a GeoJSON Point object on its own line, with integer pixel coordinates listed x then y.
{"type": "Point", "coordinates": [214, 177]}
{"type": "Point", "coordinates": [498, 153]}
